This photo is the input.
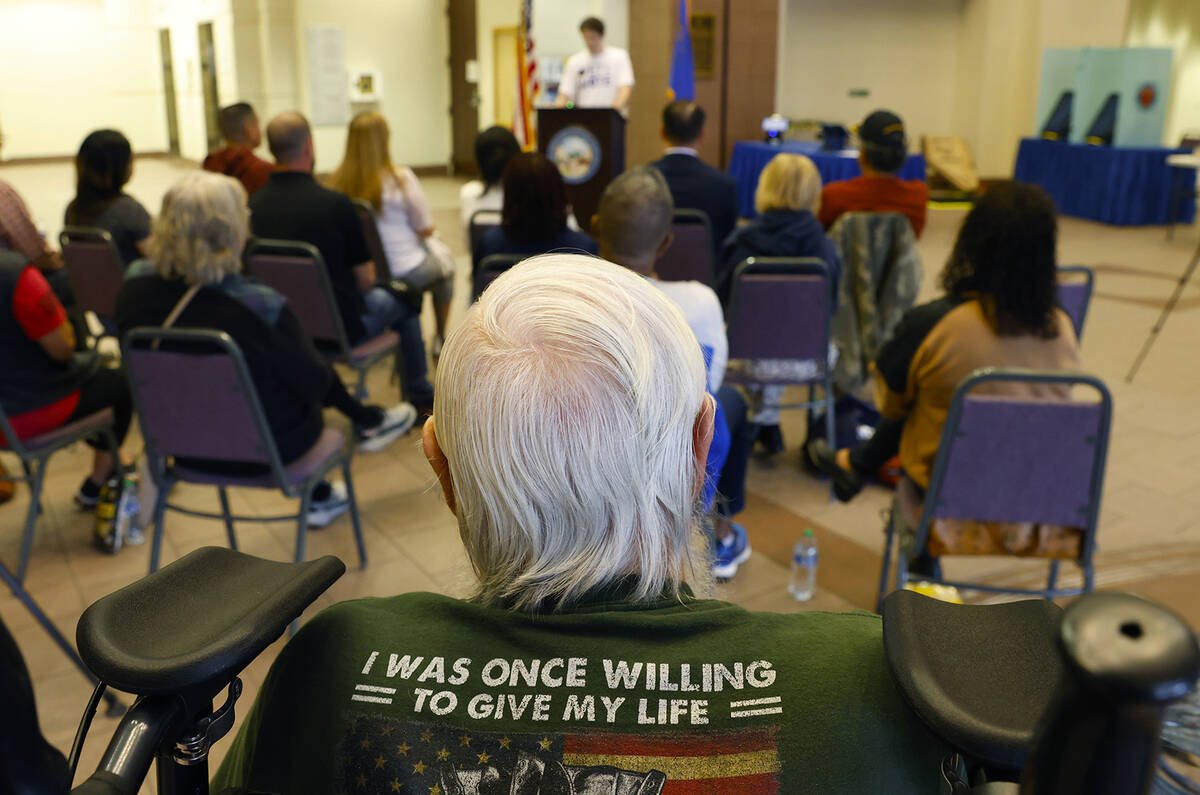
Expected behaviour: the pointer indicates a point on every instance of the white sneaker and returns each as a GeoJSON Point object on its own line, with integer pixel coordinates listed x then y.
{"type": "Point", "coordinates": [397, 421]}
{"type": "Point", "coordinates": [321, 513]}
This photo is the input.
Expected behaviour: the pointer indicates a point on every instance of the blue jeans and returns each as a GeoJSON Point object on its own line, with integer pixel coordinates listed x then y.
{"type": "Point", "coordinates": [732, 484]}
{"type": "Point", "coordinates": [385, 311]}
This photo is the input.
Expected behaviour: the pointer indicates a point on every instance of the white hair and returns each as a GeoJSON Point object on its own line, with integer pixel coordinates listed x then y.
{"type": "Point", "coordinates": [201, 231]}
{"type": "Point", "coordinates": [566, 402]}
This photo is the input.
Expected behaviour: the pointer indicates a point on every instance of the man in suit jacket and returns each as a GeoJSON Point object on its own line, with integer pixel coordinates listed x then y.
{"type": "Point", "coordinates": [694, 184]}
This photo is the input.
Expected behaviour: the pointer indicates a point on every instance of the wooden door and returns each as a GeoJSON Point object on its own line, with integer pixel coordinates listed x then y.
{"type": "Point", "coordinates": [504, 72]}
{"type": "Point", "coordinates": [464, 76]}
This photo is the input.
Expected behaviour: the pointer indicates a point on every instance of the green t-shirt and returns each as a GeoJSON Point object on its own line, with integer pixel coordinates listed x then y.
{"type": "Point", "coordinates": [421, 693]}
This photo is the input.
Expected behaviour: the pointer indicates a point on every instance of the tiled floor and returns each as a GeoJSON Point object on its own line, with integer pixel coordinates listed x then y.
{"type": "Point", "coordinates": [1149, 539]}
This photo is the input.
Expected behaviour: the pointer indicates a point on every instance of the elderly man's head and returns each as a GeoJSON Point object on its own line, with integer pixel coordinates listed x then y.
{"type": "Point", "coordinates": [570, 432]}
{"type": "Point", "coordinates": [201, 229]}
{"type": "Point", "coordinates": [633, 221]}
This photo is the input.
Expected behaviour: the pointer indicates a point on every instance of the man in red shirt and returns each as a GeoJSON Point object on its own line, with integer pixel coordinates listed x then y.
{"type": "Point", "coordinates": [47, 382]}
{"type": "Point", "coordinates": [884, 148]}
{"type": "Point", "coordinates": [239, 128]}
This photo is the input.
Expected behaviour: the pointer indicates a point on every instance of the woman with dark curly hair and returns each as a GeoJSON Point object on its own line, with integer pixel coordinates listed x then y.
{"type": "Point", "coordinates": [1000, 310]}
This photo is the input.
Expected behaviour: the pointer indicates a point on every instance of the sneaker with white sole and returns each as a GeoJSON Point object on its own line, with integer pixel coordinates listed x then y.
{"type": "Point", "coordinates": [397, 421]}
{"type": "Point", "coordinates": [322, 512]}
{"type": "Point", "coordinates": [730, 553]}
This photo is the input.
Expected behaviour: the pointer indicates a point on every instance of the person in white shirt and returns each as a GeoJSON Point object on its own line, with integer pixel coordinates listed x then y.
{"type": "Point", "coordinates": [633, 229]}
{"type": "Point", "coordinates": [494, 147]}
{"type": "Point", "coordinates": [598, 77]}
{"type": "Point", "coordinates": [402, 214]}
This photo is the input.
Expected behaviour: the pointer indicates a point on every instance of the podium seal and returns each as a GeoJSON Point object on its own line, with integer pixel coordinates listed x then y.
{"type": "Point", "coordinates": [576, 152]}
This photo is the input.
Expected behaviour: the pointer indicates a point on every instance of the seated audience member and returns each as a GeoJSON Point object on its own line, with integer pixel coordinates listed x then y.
{"type": "Point", "coordinates": [883, 152]}
{"type": "Point", "coordinates": [102, 169]}
{"type": "Point", "coordinates": [569, 436]}
{"type": "Point", "coordinates": [401, 212]}
{"type": "Point", "coordinates": [292, 206]}
{"type": "Point", "coordinates": [47, 383]}
{"type": "Point", "coordinates": [534, 216]}
{"type": "Point", "coordinates": [198, 239]}
{"type": "Point", "coordinates": [494, 147]}
{"type": "Point", "coordinates": [242, 134]}
{"type": "Point", "coordinates": [633, 229]}
{"type": "Point", "coordinates": [1000, 310]}
{"type": "Point", "coordinates": [787, 196]}
{"type": "Point", "coordinates": [695, 185]}
{"type": "Point", "coordinates": [19, 233]}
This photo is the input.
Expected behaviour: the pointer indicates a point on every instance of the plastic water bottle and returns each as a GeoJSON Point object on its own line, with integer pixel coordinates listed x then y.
{"type": "Point", "coordinates": [804, 568]}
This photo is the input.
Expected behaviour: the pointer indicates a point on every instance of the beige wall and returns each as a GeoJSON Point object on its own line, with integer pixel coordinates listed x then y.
{"type": "Point", "coordinates": [72, 66]}
{"type": "Point", "coordinates": [1174, 24]}
{"type": "Point", "coordinates": [904, 52]}
{"type": "Point", "coordinates": [408, 44]}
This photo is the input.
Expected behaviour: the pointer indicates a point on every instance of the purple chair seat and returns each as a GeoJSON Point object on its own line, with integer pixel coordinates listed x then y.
{"type": "Point", "coordinates": [65, 433]}
{"type": "Point", "coordinates": [375, 346]}
{"type": "Point", "coordinates": [306, 466]}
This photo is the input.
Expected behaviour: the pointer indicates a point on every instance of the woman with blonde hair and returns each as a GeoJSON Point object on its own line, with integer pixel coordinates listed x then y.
{"type": "Point", "coordinates": [403, 216]}
{"type": "Point", "coordinates": [787, 200]}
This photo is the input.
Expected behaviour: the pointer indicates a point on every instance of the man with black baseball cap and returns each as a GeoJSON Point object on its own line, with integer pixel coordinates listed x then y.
{"type": "Point", "coordinates": [883, 150]}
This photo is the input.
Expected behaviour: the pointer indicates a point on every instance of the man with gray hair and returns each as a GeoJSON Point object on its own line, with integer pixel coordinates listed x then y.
{"type": "Point", "coordinates": [569, 438]}
{"type": "Point", "coordinates": [633, 229]}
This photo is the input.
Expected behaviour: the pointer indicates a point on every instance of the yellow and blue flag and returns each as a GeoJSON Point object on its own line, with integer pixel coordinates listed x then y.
{"type": "Point", "coordinates": [682, 83]}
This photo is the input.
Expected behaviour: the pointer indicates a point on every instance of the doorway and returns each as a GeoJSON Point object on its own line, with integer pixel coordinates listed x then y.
{"type": "Point", "coordinates": [208, 86]}
{"type": "Point", "coordinates": [168, 72]}
{"type": "Point", "coordinates": [464, 85]}
{"type": "Point", "coordinates": [505, 72]}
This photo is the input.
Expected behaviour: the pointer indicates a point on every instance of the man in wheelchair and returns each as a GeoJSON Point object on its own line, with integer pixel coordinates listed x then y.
{"type": "Point", "coordinates": [569, 437]}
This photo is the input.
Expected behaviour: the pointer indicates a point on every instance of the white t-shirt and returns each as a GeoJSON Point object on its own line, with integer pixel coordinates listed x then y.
{"type": "Point", "coordinates": [405, 213]}
{"type": "Point", "coordinates": [591, 81]}
{"type": "Point", "coordinates": [702, 310]}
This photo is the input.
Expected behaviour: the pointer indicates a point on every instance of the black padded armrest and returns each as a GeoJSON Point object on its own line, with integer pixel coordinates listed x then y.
{"type": "Point", "coordinates": [197, 622]}
{"type": "Point", "coordinates": [980, 676]}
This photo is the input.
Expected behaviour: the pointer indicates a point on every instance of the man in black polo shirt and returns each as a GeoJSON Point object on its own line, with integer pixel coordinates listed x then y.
{"type": "Point", "coordinates": [292, 206]}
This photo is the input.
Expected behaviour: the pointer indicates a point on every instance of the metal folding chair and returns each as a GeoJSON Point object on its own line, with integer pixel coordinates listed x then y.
{"type": "Point", "coordinates": [196, 400]}
{"type": "Point", "coordinates": [1075, 284]}
{"type": "Point", "coordinates": [95, 270]}
{"type": "Point", "coordinates": [297, 271]}
{"type": "Point", "coordinates": [690, 255]}
{"type": "Point", "coordinates": [479, 223]}
{"type": "Point", "coordinates": [1016, 459]}
{"type": "Point", "coordinates": [781, 308]}
{"type": "Point", "coordinates": [491, 267]}
{"type": "Point", "coordinates": [35, 453]}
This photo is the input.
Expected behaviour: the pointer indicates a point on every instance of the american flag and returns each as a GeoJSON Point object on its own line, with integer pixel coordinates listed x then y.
{"type": "Point", "coordinates": [385, 755]}
{"type": "Point", "coordinates": [527, 85]}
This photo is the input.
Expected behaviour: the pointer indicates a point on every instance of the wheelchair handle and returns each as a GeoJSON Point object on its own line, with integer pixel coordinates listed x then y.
{"type": "Point", "coordinates": [1126, 660]}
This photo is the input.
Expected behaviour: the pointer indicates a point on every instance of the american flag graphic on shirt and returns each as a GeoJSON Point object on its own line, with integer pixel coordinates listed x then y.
{"type": "Point", "coordinates": [385, 755]}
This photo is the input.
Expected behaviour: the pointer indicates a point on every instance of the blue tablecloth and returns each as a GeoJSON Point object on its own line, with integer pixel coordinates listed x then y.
{"type": "Point", "coordinates": [751, 157]}
{"type": "Point", "coordinates": [1125, 187]}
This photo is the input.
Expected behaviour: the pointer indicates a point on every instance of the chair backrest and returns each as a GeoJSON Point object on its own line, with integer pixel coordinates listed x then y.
{"type": "Point", "coordinates": [195, 397]}
{"type": "Point", "coordinates": [780, 309]}
{"type": "Point", "coordinates": [1021, 459]}
{"type": "Point", "coordinates": [491, 267]}
{"type": "Point", "coordinates": [1075, 284]}
{"type": "Point", "coordinates": [690, 256]}
{"type": "Point", "coordinates": [366, 218]}
{"type": "Point", "coordinates": [480, 222]}
{"type": "Point", "coordinates": [94, 268]}
{"type": "Point", "coordinates": [297, 272]}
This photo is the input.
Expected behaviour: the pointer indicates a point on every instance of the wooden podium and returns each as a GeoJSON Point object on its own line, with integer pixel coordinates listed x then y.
{"type": "Point", "coordinates": [588, 146]}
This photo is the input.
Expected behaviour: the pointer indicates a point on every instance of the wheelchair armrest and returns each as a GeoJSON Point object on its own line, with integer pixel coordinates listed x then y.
{"type": "Point", "coordinates": [193, 625]}
{"type": "Point", "coordinates": [980, 676]}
